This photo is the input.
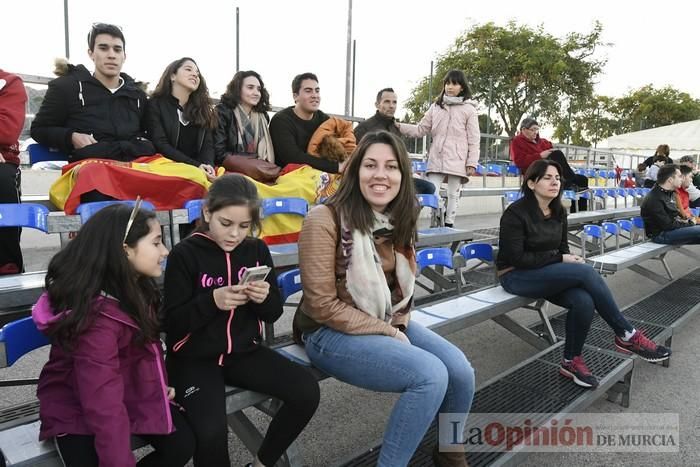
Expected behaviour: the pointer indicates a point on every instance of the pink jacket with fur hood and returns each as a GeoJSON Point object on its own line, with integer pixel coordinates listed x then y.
{"type": "Point", "coordinates": [107, 386]}
{"type": "Point", "coordinates": [456, 136]}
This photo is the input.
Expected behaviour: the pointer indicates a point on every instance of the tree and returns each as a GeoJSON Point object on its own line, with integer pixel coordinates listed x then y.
{"type": "Point", "coordinates": [647, 107]}
{"type": "Point", "coordinates": [527, 71]}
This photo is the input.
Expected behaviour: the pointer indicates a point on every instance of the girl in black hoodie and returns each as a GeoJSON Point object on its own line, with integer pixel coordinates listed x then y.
{"type": "Point", "coordinates": [214, 328]}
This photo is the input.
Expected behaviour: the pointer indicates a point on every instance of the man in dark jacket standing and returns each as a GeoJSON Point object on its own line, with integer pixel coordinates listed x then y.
{"type": "Point", "coordinates": [383, 119]}
{"type": "Point", "coordinates": [100, 114]}
{"type": "Point", "coordinates": [662, 220]}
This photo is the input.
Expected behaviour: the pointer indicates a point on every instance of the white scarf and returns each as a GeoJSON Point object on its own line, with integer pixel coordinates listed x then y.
{"type": "Point", "coordinates": [365, 279]}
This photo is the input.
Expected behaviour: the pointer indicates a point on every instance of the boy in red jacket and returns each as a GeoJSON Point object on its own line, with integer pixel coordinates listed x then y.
{"type": "Point", "coordinates": [13, 99]}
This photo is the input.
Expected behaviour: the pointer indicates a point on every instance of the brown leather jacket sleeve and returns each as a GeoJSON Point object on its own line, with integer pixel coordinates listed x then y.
{"type": "Point", "coordinates": [317, 261]}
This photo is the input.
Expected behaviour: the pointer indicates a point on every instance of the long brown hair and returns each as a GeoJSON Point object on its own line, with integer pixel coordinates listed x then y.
{"type": "Point", "coordinates": [198, 109]}
{"type": "Point", "coordinates": [534, 173]}
{"type": "Point", "coordinates": [232, 96]}
{"type": "Point", "coordinates": [352, 205]}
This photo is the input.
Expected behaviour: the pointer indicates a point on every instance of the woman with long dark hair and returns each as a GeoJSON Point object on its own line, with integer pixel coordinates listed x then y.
{"type": "Point", "coordinates": [105, 379]}
{"type": "Point", "coordinates": [243, 120]}
{"type": "Point", "coordinates": [357, 261]}
{"type": "Point", "coordinates": [534, 261]}
{"type": "Point", "coordinates": [181, 120]}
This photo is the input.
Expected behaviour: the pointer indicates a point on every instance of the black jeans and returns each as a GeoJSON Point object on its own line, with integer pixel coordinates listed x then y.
{"type": "Point", "coordinates": [571, 181]}
{"type": "Point", "coordinates": [11, 261]}
{"type": "Point", "coordinates": [171, 450]}
{"type": "Point", "coordinates": [200, 388]}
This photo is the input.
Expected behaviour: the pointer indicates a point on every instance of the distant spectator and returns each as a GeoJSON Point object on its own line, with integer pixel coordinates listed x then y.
{"type": "Point", "coordinates": [384, 119]}
{"type": "Point", "coordinates": [180, 117]}
{"type": "Point", "coordinates": [292, 128]}
{"type": "Point", "coordinates": [661, 150]}
{"type": "Point", "coordinates": [690, 162]}
{"type": "Point", "coordinates": [528, 146]}
{"type": "Point", "coordinates": [639, 175]}
{"type": "Point", "coordinates": [663, 221]}
{"type": "Point", "coordinates": [687, 192]}
{"type": "Point", "coordinates": [652, 171]}
{"type": "Point", "coordinates": [13, 99]}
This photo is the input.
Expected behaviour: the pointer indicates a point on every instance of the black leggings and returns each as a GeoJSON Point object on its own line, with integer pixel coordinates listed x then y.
{"type": "Point", "coordinates": [172, 450]}
{"type": "Point", "coordinates": [199, 385]}
{"type": "Point", "coordinates": [10, 253]}
{"type": "Point", "coordinates": [571, 179]}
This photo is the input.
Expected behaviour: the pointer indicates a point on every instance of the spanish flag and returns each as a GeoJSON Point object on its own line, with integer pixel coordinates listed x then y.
{"type": "Point", "coordinates": [166, 184]}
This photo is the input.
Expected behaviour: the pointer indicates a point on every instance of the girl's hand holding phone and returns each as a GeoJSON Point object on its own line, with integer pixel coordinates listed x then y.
{"type": "Point", "coordinates": [231, 296]}
{"type": "Point", "coordinates": [257, 291]}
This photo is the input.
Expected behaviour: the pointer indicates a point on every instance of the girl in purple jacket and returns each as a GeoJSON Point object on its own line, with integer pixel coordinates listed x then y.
{"type": "Point", "coordinates": [105, 378]}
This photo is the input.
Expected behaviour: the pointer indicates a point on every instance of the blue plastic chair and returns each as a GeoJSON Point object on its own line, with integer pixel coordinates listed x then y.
{"type": "Point", "coordinates": [30, 215]}
{"type": "Point", "coordinates": [480, 170]}
{"type": "Point", "coordinates": [512, 196]}
{"type": "Point", "coordinates": [87, 210]}
{"type": "Point", "coordinates": [695, 211]}
{"type": "Point", "coordinates": [40, 153]}
{"type": "Point", "coordinates": [494, 170]}
{"type": "Point", "coordinates": [272, 206]}
{"type": "Point", "coordinates": [638, 222]}
{"type": "Point", "coordinates": [434, 257]}
{"type": "Point", "coordinates": [419, 166]}
{"type": "Point", "coordinates": [480, 251]}
{"type": "Point", "coordinates": [580, 171]}
{"type": "Point", "coordinates": [289, 283]}
{"type": "Point", "coordinates": [431, 201]}
{"type": "Point", "coordinates": [569, 194]}
{"type": "Point", "coordinates": [591, 173]}
{"type": "Point", "coordinates": [612, 229]}
{"type": "Point", "coordinates": [625, 225]}
{"type": "Point", "coordinates": [513, 171]}
{"type": "Point", "coordinates": [194, 209]}
{"type": "Point", "coordinates": [17, 339]}
{"type": "Point", "coordinates": [596, 232]}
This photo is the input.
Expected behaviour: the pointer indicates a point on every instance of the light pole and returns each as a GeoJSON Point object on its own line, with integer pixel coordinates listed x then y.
{"type": "Point", "coordinates": [348, 60]}
{"type": "Point", "coordinates": [65, 28]}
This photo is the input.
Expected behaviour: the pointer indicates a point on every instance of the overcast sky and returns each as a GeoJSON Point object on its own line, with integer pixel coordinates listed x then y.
{"type": "Point", "coordinates": [653, 42]}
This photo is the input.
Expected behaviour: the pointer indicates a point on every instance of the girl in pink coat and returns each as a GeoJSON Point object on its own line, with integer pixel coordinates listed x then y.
{"type": "Point", "coordinates": [105, 379]}
{"type": "Point", "coordinates": [453, 123]}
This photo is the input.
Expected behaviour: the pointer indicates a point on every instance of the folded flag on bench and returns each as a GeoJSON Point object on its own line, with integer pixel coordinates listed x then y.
{"type": "Point", "coordinates": [166, 184]}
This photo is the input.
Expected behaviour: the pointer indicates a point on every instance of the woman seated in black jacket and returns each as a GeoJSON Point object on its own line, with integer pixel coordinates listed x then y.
{"type": "Point", "coordinates": [534, 261]}
{"type": "Point", "coordinates": [180, 117]}
{"type": "Point", "coordinates": [242, 129]}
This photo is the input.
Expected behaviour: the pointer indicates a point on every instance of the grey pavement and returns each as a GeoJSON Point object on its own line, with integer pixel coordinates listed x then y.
{"type": "Point", "coordinates": [350, 419]}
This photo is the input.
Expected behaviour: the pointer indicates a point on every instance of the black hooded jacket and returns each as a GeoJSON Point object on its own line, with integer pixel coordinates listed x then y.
{"type": "Point", "coordinates": [78, 102]}
{"type": "Point", "coordinates": [195, 326]}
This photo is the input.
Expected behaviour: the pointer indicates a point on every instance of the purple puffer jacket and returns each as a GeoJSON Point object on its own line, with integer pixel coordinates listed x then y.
{"type": "Point", "coordinates": [107, 386]}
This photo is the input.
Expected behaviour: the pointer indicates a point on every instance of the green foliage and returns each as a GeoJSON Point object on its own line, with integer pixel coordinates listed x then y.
{"type": "Point", "coordinates": [524, 70]}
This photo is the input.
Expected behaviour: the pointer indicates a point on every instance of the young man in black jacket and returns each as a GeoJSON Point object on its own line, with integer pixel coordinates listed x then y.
{"type": "Point", "coordinates": [292, 128]}
{"type": "Point", "coordinates": [100, 114]}
{"type": "Point", "coordinates": [662, 220]}
{"type": "Point", "coordinates": [383, 119]}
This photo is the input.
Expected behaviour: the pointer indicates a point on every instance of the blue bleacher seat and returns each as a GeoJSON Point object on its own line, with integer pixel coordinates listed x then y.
{"type": "Point", "coordinates": [512, 171]}
{"type": "Point", "coordinates": [30, 215]}
{"type": "Point", "coordinates": [194, 209]}
{"type": "Point", "coordinates": [512, 196]}
{"type": "Point", "coordinates": [419, 166]}
{"type": "Point", "coordinates": [638, 222]}
{"type": "Point", "coordinates": [695, 211]}
{"type": "Point", "coordinates": [40, 153]}
{"type": "Point", "coordinates": [428, 201]}
{"type": "Point", "coordinates": [87, 210]}
{"type": "Point", "coordinates": [19, 338]}
{"type": "Point", "coordinates": [482, 251]}
{"type": "Point", "coordinates": [569, 194]}
{"type": "Point", "coordinates": [580, 171]}
{"type": "Point", "coordinates": [271, 206]}
{"type": "Point", "coordinates": [289, 283]}
{"type": "Point", "coordinates": [434, 257]}
{"type": "Point", "coordinates": [480, 170]}
{"type": "Point", "coordinates": [494, 170]}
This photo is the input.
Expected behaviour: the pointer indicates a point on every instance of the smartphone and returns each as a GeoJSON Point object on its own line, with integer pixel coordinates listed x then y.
{"type": "Point", "coordinates": [257, 273]}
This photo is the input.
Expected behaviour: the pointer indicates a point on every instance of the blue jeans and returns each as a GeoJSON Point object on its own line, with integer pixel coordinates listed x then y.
{"type": "Point", "coordinates": [431, 374]}
{"type": "Point", "coordinates": [575, 286]}
{"type": "Point", "coordinates": [682, 236]}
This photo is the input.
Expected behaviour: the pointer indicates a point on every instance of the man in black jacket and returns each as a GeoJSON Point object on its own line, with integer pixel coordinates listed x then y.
{"type": "Point", "coordinates": [292, 128]}
{"type": "Point", "coordinates": [383, 119]}
{"type": "Point", "coordinates": [100, 114]}
{"type": "Point", "coordinates": [662, 220]}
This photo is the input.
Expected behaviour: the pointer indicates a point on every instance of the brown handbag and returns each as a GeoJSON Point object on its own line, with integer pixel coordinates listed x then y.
{"type": "Point", "coordinates": [250, 165]}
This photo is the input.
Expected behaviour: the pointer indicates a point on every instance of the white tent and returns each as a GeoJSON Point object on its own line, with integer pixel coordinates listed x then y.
{"type": "Point", "coordinates": [683, 138]}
